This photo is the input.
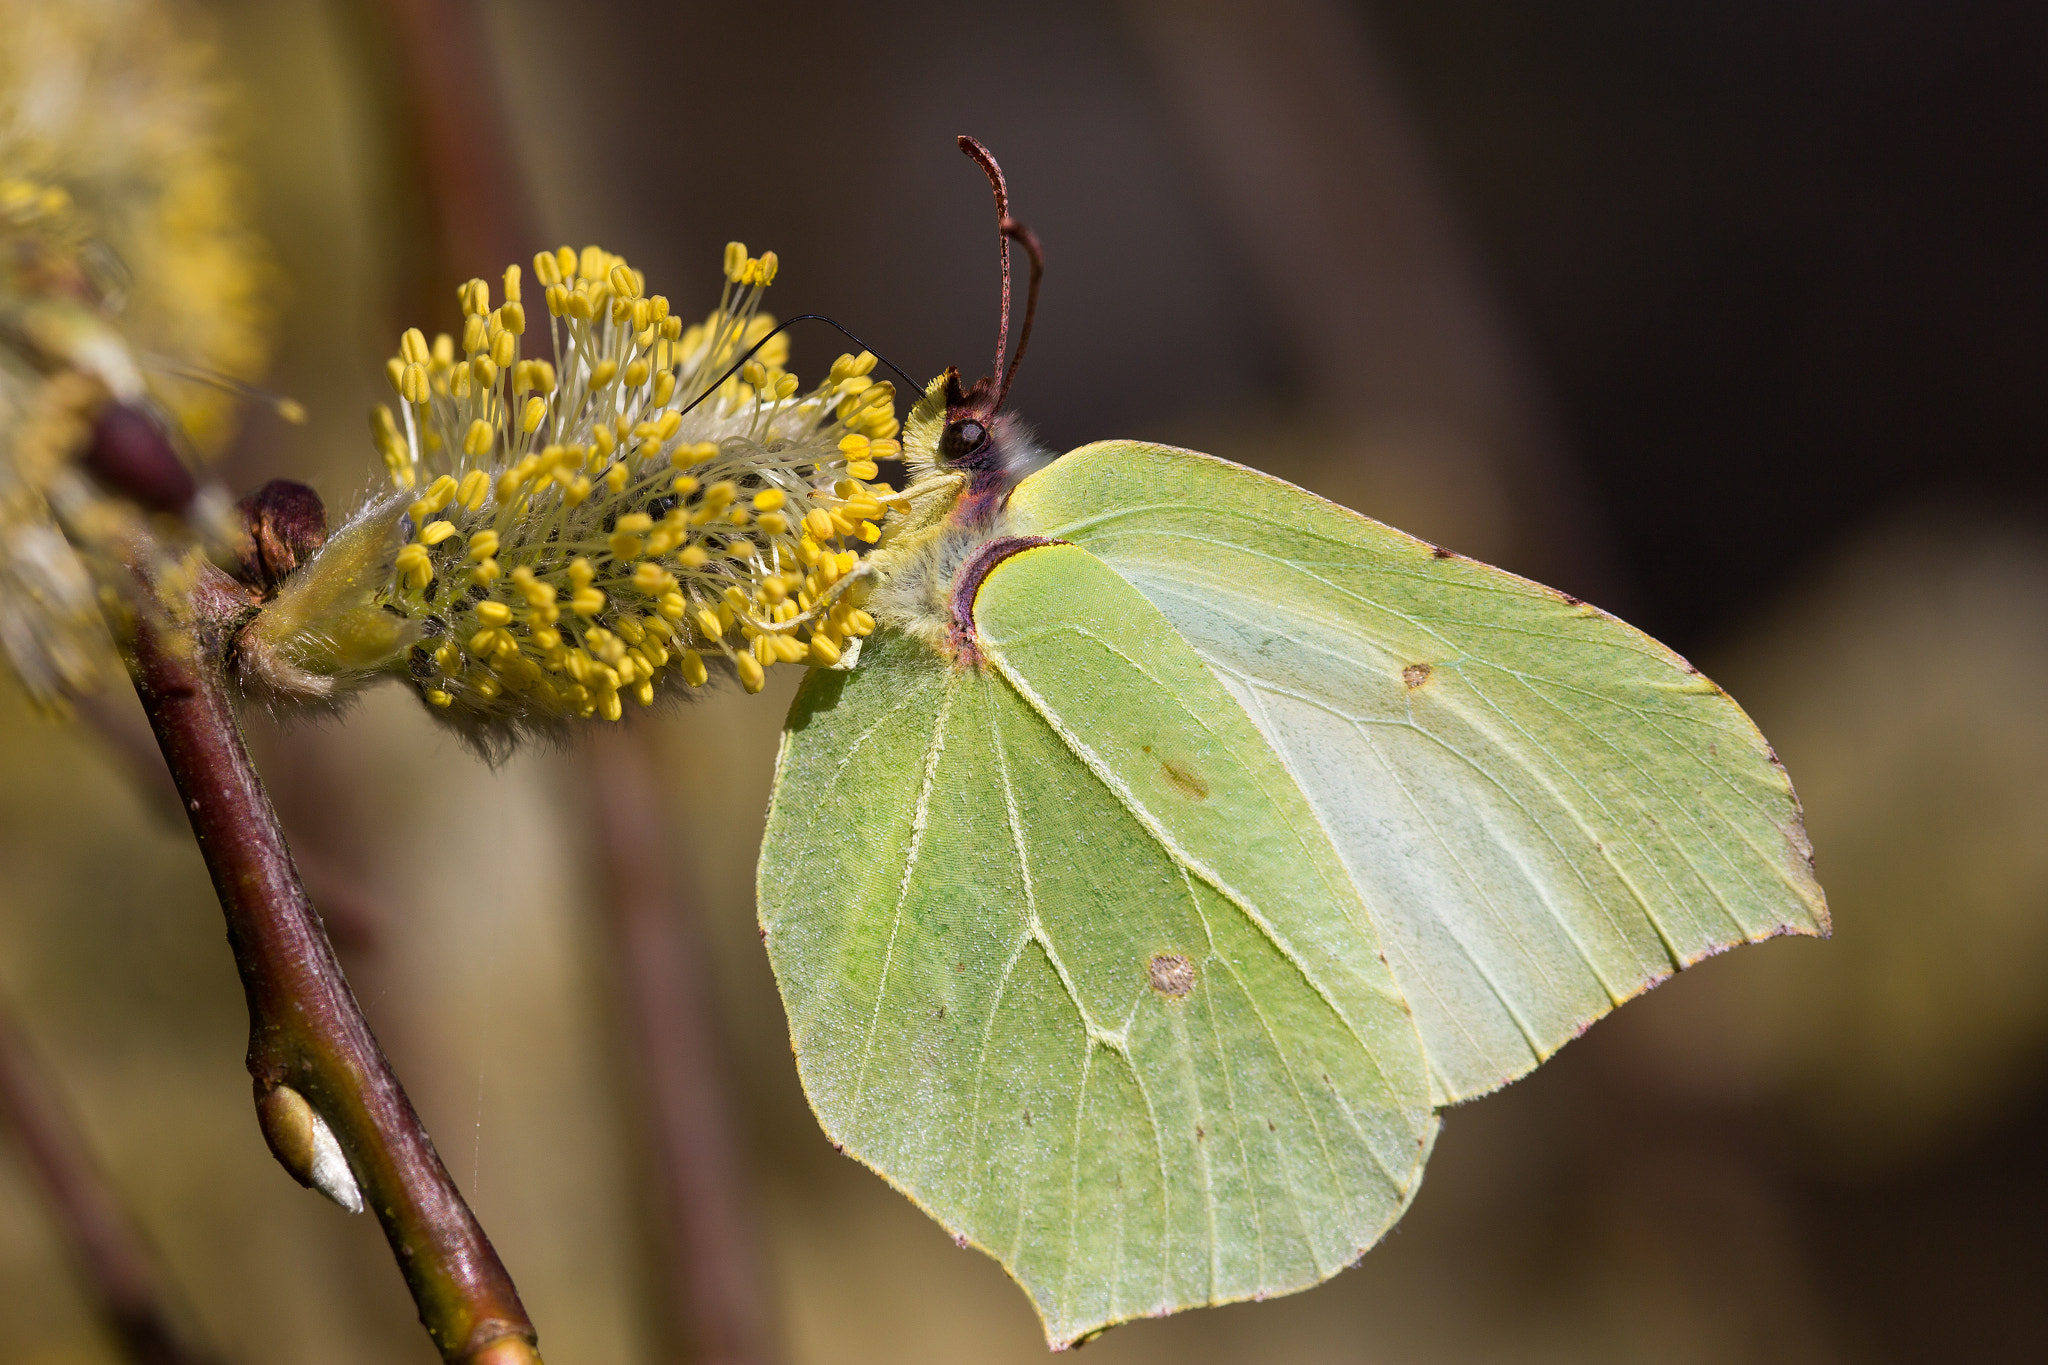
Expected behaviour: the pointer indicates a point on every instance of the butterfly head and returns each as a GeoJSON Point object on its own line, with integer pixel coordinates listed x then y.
{"type": "Point", "coordinates": [963, 430]}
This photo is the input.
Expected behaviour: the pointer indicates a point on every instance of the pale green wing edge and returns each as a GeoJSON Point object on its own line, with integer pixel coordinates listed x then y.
{"type": "Point", "coordinates": [1547, 811]}
{"type": "Point", "coordinates": [964, 895]}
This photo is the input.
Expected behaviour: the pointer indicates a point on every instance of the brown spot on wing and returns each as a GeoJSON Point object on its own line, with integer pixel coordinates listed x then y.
{"type": "Point", "coordinates": [1415, 675]}
{"type": "Point", "coordinates": [1189, 782]}
{"type": "Point", "coordinates": [1171, 974]}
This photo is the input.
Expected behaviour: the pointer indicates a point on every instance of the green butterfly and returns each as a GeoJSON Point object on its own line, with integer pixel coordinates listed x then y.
{"type": "Point", "coordinates": [1182, 844]}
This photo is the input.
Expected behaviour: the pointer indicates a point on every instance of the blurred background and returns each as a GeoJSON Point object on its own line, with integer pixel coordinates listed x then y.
{"type": "Point", "coordinates": [1730, 317]}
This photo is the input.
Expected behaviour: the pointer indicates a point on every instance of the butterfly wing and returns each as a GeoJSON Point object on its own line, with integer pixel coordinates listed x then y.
{"type": "Point", "coordinates": [1068, 958]}
{"type": "Point", "coordinates": [1546, 811]}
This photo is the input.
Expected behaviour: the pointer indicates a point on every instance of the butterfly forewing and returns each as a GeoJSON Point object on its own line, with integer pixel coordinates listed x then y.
{"type": "Point", "coordinates": [1545, 810]}
{"type": "Point", "coordinates": [1068, 957]}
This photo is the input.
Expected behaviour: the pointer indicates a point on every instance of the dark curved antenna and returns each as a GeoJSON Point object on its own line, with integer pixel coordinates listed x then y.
{"type": "Point", "coordinates": [737, 365]}
{"type": "Point", "coordinates": [1007, 228]}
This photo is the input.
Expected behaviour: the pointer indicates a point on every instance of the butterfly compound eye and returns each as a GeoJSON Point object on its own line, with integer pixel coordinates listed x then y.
{"type": "Point", "coordinates": [962, 438]}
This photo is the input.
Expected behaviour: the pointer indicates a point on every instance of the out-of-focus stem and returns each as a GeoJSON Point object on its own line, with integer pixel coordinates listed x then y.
{"type": "Point", "coordinates": [308, 1040]}
{"type": "Point", "coordinates": [712, 1288]}
{"type": "Point", "coordinates": [119, 1271]}
{"type": "Point", "coordinates": [712, 1276]}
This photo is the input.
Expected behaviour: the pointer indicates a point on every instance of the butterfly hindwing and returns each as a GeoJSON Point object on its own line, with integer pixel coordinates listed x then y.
{"type": "Point", "coordinates": [1068, 958]}
{"type": "Point", "coordinates": [1545, 810]}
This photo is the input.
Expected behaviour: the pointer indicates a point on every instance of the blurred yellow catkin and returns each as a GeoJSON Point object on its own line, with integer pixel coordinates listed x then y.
{"type": "Point", "coordinates": [125, 270]}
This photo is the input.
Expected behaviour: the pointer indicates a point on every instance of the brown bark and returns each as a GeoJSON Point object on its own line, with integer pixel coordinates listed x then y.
{"type": "Point", "coordinates": [306, 1031]}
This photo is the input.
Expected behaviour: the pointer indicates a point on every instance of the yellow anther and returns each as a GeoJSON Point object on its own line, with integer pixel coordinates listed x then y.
{"type": "Point", "coordinates": [485, 371]}
{"type": "Point", "coordinates": [444, 350]}
{"type": "Point", "coordinates": [477, 441]}
{"type": "Point", "coordinates": [622, 282]}
{"type": "Point", "coordinates": [592, 264]}
{"type": "Point", "coordinates": [512, 283]}
{"type": "Point", "coordinates": [577, 491]}
{"type": "Point", "coordinates": [413, 385]}
{"type": "Point", "coordinates": [868, 532]}
{"type": "Point", "coordinates": [557, 297]}
{"type": "Point", "coordinates": [536, 412]}
{"type": "Point", "coordinates": [774, 524]}
{"type": "Point", "coordinates": [768, 499]}
{"type": "Point", "coordinates": [434, 532]}
{"type": "Point", "coordinates": [486, 572]}
{"type": "Point", "coordinates": [691, 666]}
{"type": "Point", "coordinates": [415, 568]}
{"type": "Point", "coordinates": [735, 260]}
{"type": "Point", "coordinates": [545, 269]}
{"type": "Point", "coordinates": [504, 349]}
{"type": "Point", "coordinates": [475, 336]}
{"type": "Point", "coordinates": [755, 373]}
{"type": "Point", "coordinates": [862, 469]}
{"type": "Point", "coordinates": [493, 613]}
{"type": "Point", "coordinates": [581, 574]}
{"type": "Point", "coordinates": [693, 557]}
{"type": "Point", "coordinates": [707, 623]}
{"type": "Point", "coordinates": [671, 606]}
{"type": "Point", "coordinates": [770, 263]}
{"type": "Point", "coordinates": [603, 373]}
{"type": "Point", "coordinates": [587, 601]}
{"type": "Point", "coordinates": [483, 545]}
{"type": "Point", "coordinates": [512, 317]}
{"type": "Point", "coordinates": [448, 656]}
{"type": "Point", "coordinates": [624, 545]}
{"type": "Point", "coordinates": [412, 346]}
{"type": "Point", "coordinates": [848, 562]}
{"type": "Point", "coordinates": [439, 698]}
{"type": "Point", "coordinates": [651, 578]}
{"type": "Point", "coordinates": [615, 477]}
{"type": "Point", "coordinates": [818, 522]}
{"type": "Point", "coordinates": [751, 675]}
{"type": "Point", "coordinates": [470, 492]}
{"type": "Point", "coordinates": [439, 494]}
